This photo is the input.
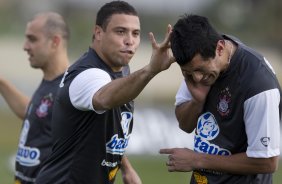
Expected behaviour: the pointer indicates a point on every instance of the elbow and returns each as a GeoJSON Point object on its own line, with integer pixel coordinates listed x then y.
{"type": "Point", "coordinates": [101, 104]}
{"type": "Point", "coordinates": [20, 113]}
{"type": "Point", "coordinates": [184, 121]}
{"type": "Point", "coordinates": [186, 129]}
{"type": "Point", "coordinates": [273, 164]}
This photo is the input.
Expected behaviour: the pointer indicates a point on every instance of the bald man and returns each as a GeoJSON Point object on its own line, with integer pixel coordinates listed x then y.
{"type": "Point", "coordinates": [47, 35]}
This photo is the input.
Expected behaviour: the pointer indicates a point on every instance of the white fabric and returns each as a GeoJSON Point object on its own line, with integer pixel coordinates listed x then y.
{"type": "Point", "coordinates": [183, 94]}
{"type": "Point", "coordinates": [85, 85]}
{"type": "Point", "coordinates": [261, 116]}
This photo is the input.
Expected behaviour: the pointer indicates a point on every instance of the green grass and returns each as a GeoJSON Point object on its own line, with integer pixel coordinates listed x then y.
{"type": "Point", "coordinates": [10, 127]}
{"type": "Point", "coordinates": [151, 169]}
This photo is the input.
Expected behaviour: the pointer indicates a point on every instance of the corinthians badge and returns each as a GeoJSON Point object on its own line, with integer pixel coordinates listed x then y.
{"type": "Point", "coordinates": [224, 101]}
{"type": "Point", "coordinates": [46, 103]}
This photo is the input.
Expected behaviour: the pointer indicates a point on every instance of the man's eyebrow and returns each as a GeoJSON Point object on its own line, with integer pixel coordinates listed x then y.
{"type": "Point", "coordinates": [125, 28]}
{"type": "Point", "coordinates": [29, 36]}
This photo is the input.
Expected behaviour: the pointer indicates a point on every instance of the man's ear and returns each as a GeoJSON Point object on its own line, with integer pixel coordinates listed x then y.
{"type": "Point", "coordinates": [56, 40]}
{"type": "Point", "coordinates": [220, 46]}
{"type": "Point", "coordinates": [97, 32]}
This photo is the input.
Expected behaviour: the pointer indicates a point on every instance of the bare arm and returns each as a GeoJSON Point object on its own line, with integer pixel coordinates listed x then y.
{"type": "Point", "coordinates": [188, 112]}
{"type": "Point", "coordinates": [182, 159]}
{"type": "Point", "coordinates": [187, 115]}
{"type": "Point", "coordinates": [128, 88]}
{"type": "Point", "coordinates": [16, 100]}
{"type": "Point", "coordinates": [129, 175]}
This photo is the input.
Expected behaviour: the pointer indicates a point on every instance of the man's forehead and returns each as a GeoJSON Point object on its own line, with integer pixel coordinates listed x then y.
{"type": "Point", "coordinates": [192, 65]}
{"type": "Point", "coordinates": [124, 20]}
{"type": "Point", "coordinates": [34, 27]}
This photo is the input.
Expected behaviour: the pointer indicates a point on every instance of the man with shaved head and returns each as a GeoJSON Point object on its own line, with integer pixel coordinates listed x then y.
{"type": "Point", "coordinates": [46, 41]}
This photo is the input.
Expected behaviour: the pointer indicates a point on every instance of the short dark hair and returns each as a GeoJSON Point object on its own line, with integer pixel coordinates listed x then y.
{"type": "Point", "coordinates": [192, 35]}
{"type": "Point", "coordinates": [114, 7]}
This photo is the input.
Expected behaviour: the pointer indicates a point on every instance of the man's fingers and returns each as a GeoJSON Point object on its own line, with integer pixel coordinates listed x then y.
{"type": "Point", "coordinates": [153, 40]}
{"type": "Point", "coordinates": [165, 151]}
{"type": "Point", "coordinates": [166, 42]}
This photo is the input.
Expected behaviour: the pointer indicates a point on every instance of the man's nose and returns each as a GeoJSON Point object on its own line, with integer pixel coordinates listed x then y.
{"type": "Point", "coordinates": [129, 40]}
{"type": "Point", "coordinates": [197, 76]}
{"type": "Point", "coordinates": [25, 46]}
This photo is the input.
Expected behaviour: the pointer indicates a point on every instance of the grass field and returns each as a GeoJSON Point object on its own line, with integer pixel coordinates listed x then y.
{"type": "Point", "coordinates": [151, 169]}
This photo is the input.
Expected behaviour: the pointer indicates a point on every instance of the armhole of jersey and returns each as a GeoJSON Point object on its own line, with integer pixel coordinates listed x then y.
{"type": "Point", "coordinates": [183, 94]}
{"type": "Point", "coordinates": [84, 86]}
{"type": "Point", "coordinates": [262, 123]}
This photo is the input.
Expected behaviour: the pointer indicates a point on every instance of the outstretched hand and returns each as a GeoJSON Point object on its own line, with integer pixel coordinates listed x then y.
{"type": "Point", "coordinates": [161, 58]}
{"type": "Point", "coordinates": [179, 159]}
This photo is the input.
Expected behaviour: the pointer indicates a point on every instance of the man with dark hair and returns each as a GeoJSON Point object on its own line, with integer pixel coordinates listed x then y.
{"type": "Point", "coordinates": [231, 97]}
{"type": "Point", "coordinates": [93, 116]}
{"type": "Point", "coordinates": [47, 50]}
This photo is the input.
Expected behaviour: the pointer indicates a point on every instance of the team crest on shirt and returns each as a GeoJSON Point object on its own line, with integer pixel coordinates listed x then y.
{"type": "Point", "coordinates": [224, 101]}
{"type": "Point", "coordinates": [118, 144]}
{"type": "Point", "coordinates": [207, 130]}
{"type": "Point", "coordinates": [46, 103]}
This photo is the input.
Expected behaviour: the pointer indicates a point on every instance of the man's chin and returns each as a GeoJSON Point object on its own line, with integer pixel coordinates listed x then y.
{"type": "Point", "coordinates": [33, 66]}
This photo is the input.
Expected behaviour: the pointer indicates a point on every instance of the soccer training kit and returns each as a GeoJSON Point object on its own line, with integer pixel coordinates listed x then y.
{"type": "Point", "coordinates": [89, 144]}
{"type": "Point", "coordinates": [241, 114]}
{"type": "Point", "coordinates": [36, 140]}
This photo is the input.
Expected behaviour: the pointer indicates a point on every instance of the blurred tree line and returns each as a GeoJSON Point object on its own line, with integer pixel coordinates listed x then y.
{"type": "Point", "coordinates": [257, 22]}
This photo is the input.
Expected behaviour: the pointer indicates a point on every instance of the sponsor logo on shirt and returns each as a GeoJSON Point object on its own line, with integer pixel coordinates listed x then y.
{"type": "Point", "coordinates": [108, 164]}
{"type": "Point", "coordinates": [207, 130]}
{"type": "Point", "coordinates": [117, 145]}
{"type": "Point", "coordinates": [113, 174]}
{"type": "Point", "coordinates": [200, 178]}
{"type": "Point", "coordinates": [27, 156]}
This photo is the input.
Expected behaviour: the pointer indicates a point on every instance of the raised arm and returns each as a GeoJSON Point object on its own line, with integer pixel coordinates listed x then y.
{"type": "Point", "coordinates": [128, 88]}
{"type": "Point", "coordinates": [16, 100]}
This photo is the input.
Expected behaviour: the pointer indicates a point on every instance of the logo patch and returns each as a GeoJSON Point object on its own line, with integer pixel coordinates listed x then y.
{"type": "Point", "coordinates": [113, 173]}
{"type": "Point", "coordinates": [108, 164]}
{"type": "Point", "coordinates": [117, 145]}
{"type": "Point", "coordinates": [207, 130]}
{"type": "Point", "coordinates": [207, 127]}
{"type": "Point", "coordinates": [200, 179]}
{"type": "Point", "coordinates": [46, 103]}
{"type": "Point", "coordinates": [24, 132]}
{"type": "Point", "coordinates": [27, 156]}
{"type": "Point", "coordinates": [126, 118]}
{"type": "Point", "coordinates": [224, 101]}
{"type": "Point", "coordinates": [265, 141]}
